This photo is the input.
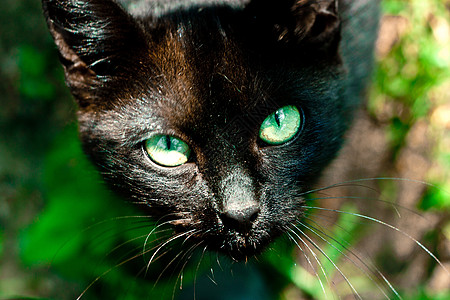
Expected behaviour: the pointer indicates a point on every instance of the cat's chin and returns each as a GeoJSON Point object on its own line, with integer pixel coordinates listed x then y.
{"type": "Point", "coordinates": [239, 247]}
{"type": "Point", "coordinates": [241, 250]}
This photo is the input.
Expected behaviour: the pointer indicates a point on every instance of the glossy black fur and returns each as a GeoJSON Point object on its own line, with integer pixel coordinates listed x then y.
{"type": "Point", "coordinates": [209, 75]}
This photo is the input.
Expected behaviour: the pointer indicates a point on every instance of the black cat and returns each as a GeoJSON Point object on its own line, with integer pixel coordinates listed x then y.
{"type": "Point", "coordinates": [217, 115]}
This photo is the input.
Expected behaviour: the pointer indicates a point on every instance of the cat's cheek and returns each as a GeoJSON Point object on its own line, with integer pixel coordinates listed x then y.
{"type": "Point", "coordinates": [136, 173]}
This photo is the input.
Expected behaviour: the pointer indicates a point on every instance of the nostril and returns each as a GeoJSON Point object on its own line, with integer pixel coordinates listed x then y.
{"type": "Point", "coordinates": [254, 216]}
{"type": "Point", "coordinates": [240, 219]}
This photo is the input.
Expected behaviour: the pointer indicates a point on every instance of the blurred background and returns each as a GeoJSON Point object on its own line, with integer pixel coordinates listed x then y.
{"type": "Point", "coordinates": [61, 231]}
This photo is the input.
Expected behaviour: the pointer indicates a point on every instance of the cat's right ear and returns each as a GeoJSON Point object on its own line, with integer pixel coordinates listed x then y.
{"type": "Point", "coordinates": [305, 24]}
{"type": "Point", "coordinates": [97, 41]}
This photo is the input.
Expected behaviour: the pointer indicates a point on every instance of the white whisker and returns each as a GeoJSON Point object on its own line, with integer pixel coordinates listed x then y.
{"type": "Point", "coordinates": [308, 260]}
{"type": "Point", "coordinates": [349, 182]}
{"type": "Point", "coordinates": [165, 243]}
{"type": "Point", "coordinates": [389, 226]}
{"type": "Point", "coordinates": [318, 234]}
{"type": "Point", "coordinates": [356, 294]}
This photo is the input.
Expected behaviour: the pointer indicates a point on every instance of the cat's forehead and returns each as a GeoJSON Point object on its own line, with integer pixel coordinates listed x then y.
{"type": "Point", "coordinates": [200, 71]}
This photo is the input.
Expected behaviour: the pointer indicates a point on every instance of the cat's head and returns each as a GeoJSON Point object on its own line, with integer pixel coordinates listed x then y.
{"type": "Point", "coordinates": [217, 117]}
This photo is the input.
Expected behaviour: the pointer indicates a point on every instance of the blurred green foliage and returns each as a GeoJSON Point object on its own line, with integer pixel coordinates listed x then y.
{"type": "Point", "coordinates": [416, 66]}
{"type": "Point", "coordinates": [32, 85]}
{"type": "Point", "coordinates": [81, 224]}
{"type": "Point", "coordinates": [56, 216]}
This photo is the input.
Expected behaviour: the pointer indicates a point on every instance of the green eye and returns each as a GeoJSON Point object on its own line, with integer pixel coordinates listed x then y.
{"type": "Point", "coordinates": [167, 150]}
{"type": "Point", "coordinates": [280, 126]}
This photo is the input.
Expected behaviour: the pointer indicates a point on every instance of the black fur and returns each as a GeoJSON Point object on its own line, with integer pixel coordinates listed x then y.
{"type": "Point", "coordinates": [210, 74]}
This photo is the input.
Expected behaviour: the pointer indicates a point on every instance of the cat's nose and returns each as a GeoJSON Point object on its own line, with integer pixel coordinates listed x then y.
{"type": "Point", "coordinates": [240, 219]}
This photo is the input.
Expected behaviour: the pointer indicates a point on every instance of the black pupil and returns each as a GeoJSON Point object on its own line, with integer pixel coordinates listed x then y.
{"type": "Point", "coordinates": [168, 142]}
{"type": "Point", "coordinates": [277, 118]}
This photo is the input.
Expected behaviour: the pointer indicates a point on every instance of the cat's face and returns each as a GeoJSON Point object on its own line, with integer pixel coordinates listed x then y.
{"type": "Point", "coordinates": [217, 119]}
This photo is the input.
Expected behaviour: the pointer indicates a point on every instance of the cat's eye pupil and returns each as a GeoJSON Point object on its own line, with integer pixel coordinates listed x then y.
{"type": "Point", "coordinates": [277, 118]}
{"type": "Point", "coordinates": [168, 143]}
{"type": "Point", "coordinates": [281, 126]}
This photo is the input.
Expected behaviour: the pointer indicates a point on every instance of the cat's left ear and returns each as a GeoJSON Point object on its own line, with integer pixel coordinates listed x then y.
{"type": "Point", "coordinates": [313, 24]}
{"type": "Point", "coordinates": [98, 42]}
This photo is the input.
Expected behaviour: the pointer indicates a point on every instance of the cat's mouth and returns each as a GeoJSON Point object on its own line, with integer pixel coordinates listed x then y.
{"type": "Point", "coordinates": [239, 246]}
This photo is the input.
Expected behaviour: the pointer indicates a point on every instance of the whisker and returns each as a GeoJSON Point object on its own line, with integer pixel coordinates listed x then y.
{"type": "Point", "coordinates": [151, 233]}
{"type": "Point", "coordinates": [376, 270]}
{"type": "Point", "coordinates": [165, 243]}
{"type": "Point", "coordinates": [213, 276]}
{"type": "Point", "coordinates": [176, 257]}
{"type": "Point", "coordinates": [218, 261]}
{"type": "Point", "coordinates": [353, 185]}
{"type": "Point", "coordinates": [180, 274]}
{"type": "Point", "coordinates": [356, 294]}
{"type": "Point", "coordinates": [389, 226]}
{"type": "Point", "coordinates": [395, 206]}
{"type": "Point", "coordinates": [308, 260]}
{"type": "Point", "coordinates": [108, 271]}
{"type": "Point", "coordinates": [162, 224]}
{"type": "Point", "coordinates": [90, 227]}
{"type": "Point", "coordinates": [134, 239]}
{"type": "Point", "coordinates": [196, 270]}
{"type": "Point", "coordinates": [330, 220]}
{"type": "Point", "coordinates": [344, 183]}
{"type": "Point", "coordinates": [167, 266]}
